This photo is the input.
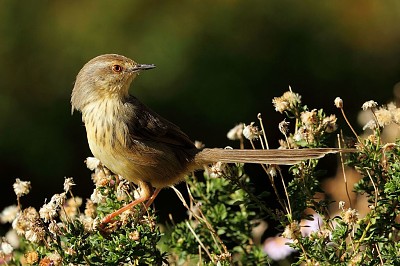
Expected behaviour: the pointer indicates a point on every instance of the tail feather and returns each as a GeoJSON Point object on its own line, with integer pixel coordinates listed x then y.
{"type": "Point", "coordinates": [272, 156]}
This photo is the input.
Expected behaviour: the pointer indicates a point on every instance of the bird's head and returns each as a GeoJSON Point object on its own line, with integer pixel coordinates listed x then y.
{"type": "Point", "coordinates": [105, 76]}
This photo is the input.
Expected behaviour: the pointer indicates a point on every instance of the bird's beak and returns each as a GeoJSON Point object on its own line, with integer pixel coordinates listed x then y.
{"type": "Point", "coordinates": [140, 67]}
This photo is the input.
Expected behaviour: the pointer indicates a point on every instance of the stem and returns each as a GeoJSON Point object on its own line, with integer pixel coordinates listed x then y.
{"type": "Point", "coordinates": [199, 241]}
{"type": "Point", "coordinates": [348, 123]}
{"type": "Point", "coordinates": [262, 128]}
{"type": "Point", "coordinates": [343, 171]}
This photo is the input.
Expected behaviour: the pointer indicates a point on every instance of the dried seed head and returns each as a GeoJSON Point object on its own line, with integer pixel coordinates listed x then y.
{"type": "Point", "coordinates": [21, 187]}
{"type": "Point", "coordinates": [369, 105]}
{"type": "Point", "coordinates": [292, 231]}
{"type": "Point", "coordinates": [329, 123]}
{"type": "Point", "coordinates": [371, 125]}
{"type": "Point", "coordinates": [288, 101]}
{"type": "Point", "coordinates": [31, 257]}
{"type": "Point", "coordinates": [284, 127]}
{"type": "Point", "coordinates": [48, 212]}
{"type": "Point", "coordinates": [384, 117]}
{"type": "Point", "coordinates": [350, 216]}
{"type": "Point", "coordinates": [68, 183]}
{"type": "Point", "coordinates": [97, 196]}
{"type": "Point", "coordinates": [251, 132]}
{"type": "Point", "coordinates": [309, 118]}
{"type": "Point", "coordinates": [217, 169]}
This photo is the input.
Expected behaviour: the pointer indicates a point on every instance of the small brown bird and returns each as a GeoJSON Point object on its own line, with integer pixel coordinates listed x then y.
{"type": "Point", "coordinates": [135, 142]}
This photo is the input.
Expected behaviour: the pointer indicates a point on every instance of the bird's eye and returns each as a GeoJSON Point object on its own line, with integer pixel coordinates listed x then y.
{"type": "Point", "coordinates": [117, 68]}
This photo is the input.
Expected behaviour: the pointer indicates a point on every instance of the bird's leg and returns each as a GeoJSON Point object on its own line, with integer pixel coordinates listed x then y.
{"type": "Point", "coordinates": [153, 197]}
{"type": "Point", "coordinates": [145, 194]}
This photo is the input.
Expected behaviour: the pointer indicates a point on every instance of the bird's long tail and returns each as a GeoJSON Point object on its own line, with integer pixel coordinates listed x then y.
{"type": "Point", "coordinates": [272, 156]}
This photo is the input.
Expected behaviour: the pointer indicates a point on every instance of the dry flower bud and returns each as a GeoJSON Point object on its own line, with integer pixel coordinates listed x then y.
{"type": "Point", "coordinates": [342, 204]}
{"type": "Point", "coordinates": [9, 214]}
{"type": "Point", "coordinates": [283, 144]}
{"type": "Point", "coordinates": [92, 163]}
{"type": "Point", "coordinates": [236, 133]}
{"type": "Point", "coordinates": [135, 235]}
{"type": "Point", "coordinates": [31, 257]}
{"type": "Point", "coordinates": [338, 102]}
{"type": "Point", "coordinates": [90, 209]}
{"type": "Point", "coordinates": [6, 248]}
{"type": "Point", "coordinates": [199, 145]}
{"type": "Point", "coordinates": [272, 171]}
{"type": "Point", "coordinates": [71, 207]}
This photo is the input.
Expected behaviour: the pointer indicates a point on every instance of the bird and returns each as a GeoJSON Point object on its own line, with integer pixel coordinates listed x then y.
{"type": "Point", "coordinates": [135, 142]}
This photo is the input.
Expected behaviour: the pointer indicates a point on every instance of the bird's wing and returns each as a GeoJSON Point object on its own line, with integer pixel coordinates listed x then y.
{"type": "Point", "coordinates": [148, 125]}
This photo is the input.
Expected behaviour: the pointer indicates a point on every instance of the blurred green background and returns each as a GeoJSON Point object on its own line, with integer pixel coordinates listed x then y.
{"type": "Point", "coordinates": [218, 63]}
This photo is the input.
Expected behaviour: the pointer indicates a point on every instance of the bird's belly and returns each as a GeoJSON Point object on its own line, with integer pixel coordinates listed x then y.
{"type": "Point", "coordinates": [160, 168]}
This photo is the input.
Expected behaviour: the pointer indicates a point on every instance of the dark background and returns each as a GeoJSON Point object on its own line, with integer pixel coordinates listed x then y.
{"type": "Point", "coordinates": [218, 63]}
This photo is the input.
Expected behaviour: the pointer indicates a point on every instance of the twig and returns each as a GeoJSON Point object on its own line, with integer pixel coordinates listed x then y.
{"type": "Point", "coordinates": [348, 123]}
{"type": "Point", "coordinates": [199, 241]}
{"type": "Point", "coordinates": [262, 128]}
{"type": "Point", "coordinates": [344, 172]}
{"type": "Point", "coordinates": [379, 254]}
{"type": "Point", "coordinates": [288, 208]}
{"type": "Point", "coordinates": [201, 219]}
